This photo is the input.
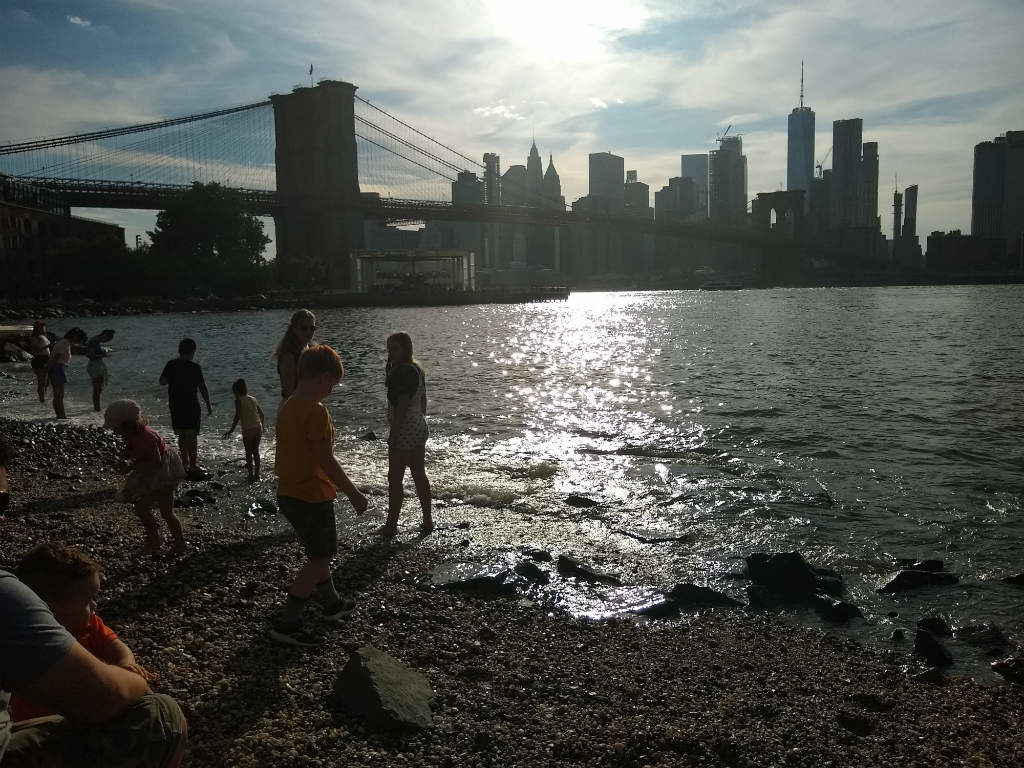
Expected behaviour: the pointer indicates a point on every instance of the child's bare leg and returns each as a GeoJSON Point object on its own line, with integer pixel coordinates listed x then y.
{"type": "Point", "coordinates": [249, 459]}
{"type": "Point", "coordinates": [193, 447]}
{"type": "Point", "coordinates": [166, 500]}
{"type": "Point", "coordinates": [417, 468]}
{"type": "Point", "coordinates": [256, 459]}
{"type": "Point", "coordinates": [145, 514]}
{"type": "Point", "coordinates": [396, 474]}
{"type": "Point", "coordinates": [58, 401]}
{"type": "Point", "coordinates": [97, 387]}
{"type": "Point", "coordinates": [41, 385]}
{"type": "Point", "coordinates": [183, 452]}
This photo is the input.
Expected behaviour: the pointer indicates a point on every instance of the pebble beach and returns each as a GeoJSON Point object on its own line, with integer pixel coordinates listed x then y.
{"type": "Point", "coordinates": [513, 684]}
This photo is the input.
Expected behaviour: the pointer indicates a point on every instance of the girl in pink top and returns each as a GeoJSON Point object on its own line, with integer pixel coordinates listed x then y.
{"type": "Point", "coordinates": [154, 472]}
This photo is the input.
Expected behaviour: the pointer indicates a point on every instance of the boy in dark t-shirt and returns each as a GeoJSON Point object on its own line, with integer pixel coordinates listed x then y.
{"type": "Point", "coordinates": [184, 378]}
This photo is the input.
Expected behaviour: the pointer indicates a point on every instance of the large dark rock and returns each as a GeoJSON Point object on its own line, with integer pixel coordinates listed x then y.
{"type": "Point", "coordinates": [384, 692]}
{"type": "Point", "coordinates": [473, 578]}
{"type": "Point", "coordinates": [575, 500]}
{"type": "Point", "coordinates": [792, 576]}
{"type": "Point", "coordinates": [1012, 669]}
{"type": "Point", "coordinates": [838, 611]}
{"type": "Point", "coordinates": [687, 596]}
{"type": "Point", "coordinates": [910, 579]}
{"type": "Point", "coordinates": [986, 636]}
{"type": "Point", "coordinates": [1017, 578]}
{"type": "Point", "coordinates": [931, 650]}
{"type": "Point", "coordinates": [569, 566]}
{"type": "Point", "coordinates": [532, 572]}
{"type": "Point", "coordinates": [936, 625]}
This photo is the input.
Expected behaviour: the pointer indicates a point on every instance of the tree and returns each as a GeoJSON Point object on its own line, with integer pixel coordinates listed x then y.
{"type": "Point", "coordinates": [205, 242]}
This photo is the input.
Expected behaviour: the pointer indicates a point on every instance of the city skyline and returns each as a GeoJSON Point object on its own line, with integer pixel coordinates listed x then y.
{"type": "Point", "coordinates": [646, 81]}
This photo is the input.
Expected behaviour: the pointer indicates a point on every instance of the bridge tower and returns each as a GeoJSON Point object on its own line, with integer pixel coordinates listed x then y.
{"type": "Point", "coordinates": [319, 222]}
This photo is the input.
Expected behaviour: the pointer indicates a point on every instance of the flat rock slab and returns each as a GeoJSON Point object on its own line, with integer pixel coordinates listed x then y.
{"type": "Point", "coordinates": [474, 578]}
{"type": "Point", "coordinates": [384, 692]}
{"type": "Point", "coordinates": [912, 579]}
{"type": "Point", "coordinates": [686, 595]}
{"type": "Point", "coordinates": [1017, 578]}
{"type": "Point", "coordinates": [837, 611]}
{"type": "Point", "coordinates": [931, 650]}
{"type": "Point", "coordinates": [569, 566]}
{"type": "Point", "coordinates": [582, 502]}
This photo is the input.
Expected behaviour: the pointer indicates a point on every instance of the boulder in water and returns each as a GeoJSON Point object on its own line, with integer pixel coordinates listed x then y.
{"type": "Point", "coordinates": [936, 625]}
{"type": "Point", "coordinates": [791, 575]}
{"type": "Point", "coordinates": [1011, 669]}
{"type": "Point", "coordinates": [569, 566]}
{"type": "Point", "coordinates": [575, 500]}
{"type": "Point", "coordinates": [911, 579]}
{"type": "Point", "coordinates": [931, 650]}
{"type": "Point", "coordinates": [473, 578]}
{"type": "Point", "coordinates": [687, 596]}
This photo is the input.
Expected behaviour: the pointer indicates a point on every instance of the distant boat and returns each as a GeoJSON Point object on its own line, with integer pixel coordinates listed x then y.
{"type": "Point", "coordinates": [721, 285]}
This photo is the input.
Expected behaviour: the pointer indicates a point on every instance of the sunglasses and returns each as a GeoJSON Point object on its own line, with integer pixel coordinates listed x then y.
{"type": "Point", "coordinates": [308, 327]}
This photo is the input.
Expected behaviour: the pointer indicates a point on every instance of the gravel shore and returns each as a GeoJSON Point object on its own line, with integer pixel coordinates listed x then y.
{"type": "Point", "coordinates": [514, 685]}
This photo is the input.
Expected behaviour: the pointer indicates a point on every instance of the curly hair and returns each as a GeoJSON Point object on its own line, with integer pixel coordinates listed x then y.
{"type": "Point", "coordinates": [50, 568]}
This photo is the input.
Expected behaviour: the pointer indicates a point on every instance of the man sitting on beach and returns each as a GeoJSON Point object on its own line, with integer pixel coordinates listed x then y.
{"type": "Point", "coordinates": [107, 714]}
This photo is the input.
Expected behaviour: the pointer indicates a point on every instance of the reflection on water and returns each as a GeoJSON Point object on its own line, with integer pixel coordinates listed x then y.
{"type": "Point", "coordinates": [856, 425]}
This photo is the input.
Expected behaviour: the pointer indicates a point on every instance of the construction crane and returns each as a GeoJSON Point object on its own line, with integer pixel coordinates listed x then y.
{"type": "Point", "coordinates": [822, 161]}
{"type": "Point", "coordinates": [719, 138]}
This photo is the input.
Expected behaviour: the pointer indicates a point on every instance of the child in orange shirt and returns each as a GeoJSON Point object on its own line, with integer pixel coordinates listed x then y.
{"type": "Point", "coordinates": [69, 582]}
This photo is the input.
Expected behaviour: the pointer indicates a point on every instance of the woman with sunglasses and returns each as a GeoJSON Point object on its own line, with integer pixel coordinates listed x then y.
{"type": "Point", "coordinates": [298, 336]}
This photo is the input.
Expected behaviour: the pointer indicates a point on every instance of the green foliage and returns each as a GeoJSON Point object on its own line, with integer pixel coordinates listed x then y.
{"type": "Point", "coordinates": [204, 242]}
{"type": "Point", "coordinates": [99, 268]}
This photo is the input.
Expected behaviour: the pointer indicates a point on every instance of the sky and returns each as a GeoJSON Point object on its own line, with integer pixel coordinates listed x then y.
{"type": "Point", "coordinates": [645, 79]}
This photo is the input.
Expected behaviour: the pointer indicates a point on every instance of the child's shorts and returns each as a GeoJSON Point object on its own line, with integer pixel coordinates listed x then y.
{"type": "Point", "coordinates": [313, 523]}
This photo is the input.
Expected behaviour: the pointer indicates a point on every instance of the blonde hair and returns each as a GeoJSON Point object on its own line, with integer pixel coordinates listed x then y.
{"type": "Point", "coordinates": [290, 343]}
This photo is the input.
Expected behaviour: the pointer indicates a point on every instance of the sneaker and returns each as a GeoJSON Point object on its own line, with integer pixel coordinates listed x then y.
{"type": "Point", "coordinates": [337, 611]}
{"type": "Point", "coordinates": [293, 633]}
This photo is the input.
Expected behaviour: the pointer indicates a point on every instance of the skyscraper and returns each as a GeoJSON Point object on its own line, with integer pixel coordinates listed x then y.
{"type": "Point", "coordinates": [636, 196]}
{"type": "Point", "coordinates": [847, 174]}
{"type": "Point", "coordinates": [997, 208]}
{"type": "Point", "coordinates": [696, 167]}
{"type": "Point", "coordinates": [910, 214]}
{"type": "Point", "coordinates": [492, 179]}
{"type": "Point", "coordinates": [606, 174]}
{"type": "Point", "coordinates": [800, 148]}
{"type": "Point", "coordinates": [727, 182]}
{"type": "Point", "coordinates": [551, 188]}
{"type": "Point", "coordinates": [534, 176]}
{"type": "Point", "coordinates": [869, 171]}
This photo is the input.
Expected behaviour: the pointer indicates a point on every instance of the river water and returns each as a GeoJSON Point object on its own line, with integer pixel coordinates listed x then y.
{"type": "Point", "coordinates": [856, 425]}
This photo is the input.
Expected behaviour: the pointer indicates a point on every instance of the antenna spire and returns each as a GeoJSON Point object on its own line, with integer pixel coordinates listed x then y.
{"type": "Point", "coordinates": [801, 83]}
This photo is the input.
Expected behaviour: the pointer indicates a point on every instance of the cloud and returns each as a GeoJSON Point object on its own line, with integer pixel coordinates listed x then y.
{"type": "Point", "coordinates": [78, 21]}
{"type": "Point", "coordinates": [742, 119]}
{"type": "Point", "coordinates": [504, 111]}
{"type": "Point", "coordinates": [599, 103]}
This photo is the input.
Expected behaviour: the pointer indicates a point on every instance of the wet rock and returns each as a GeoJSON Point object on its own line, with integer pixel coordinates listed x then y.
{"type": "Point", "coordinates": [262, 506]}
{"type": "Point", "coordinates": [1015, 579]}
{"type": "Point", "coordinates": [473, 578]}
{"type": "Point", "coordinates": [933, 676]}
{"type": "Point", "coordinates": [920, 565]}
{"type": "Point", "coordinates": [205, 497]}
{"type": "Point", "coordinates": [761, 598]}
{"type": "Point", "coordinates": [986, 636]}
{"type": "Point", "coordinates": [931, 650]}
{"type": "Point", "coordinates": [898, 636]}
{"type": "Point", "coordinates": [198, 474]}
{"type": "Point", "coordinates": [540, 555]}
{"type": "Point", "coordinates": [910, 579]}
{"type": "Point", "coordinates": [687, 596]}
{"type": "Point", "coordinates": [569, 566]}
{"type": "Point", "coordinates": [532, 572]}
{"type": "Point", "coordinates": [792, 576]}
{"type": "Point", "coordinates": [1011, 669]}
{"type": "Point", "coordinates": [936, 625]}
{"type": "Point", "coordinates": [384, 692]}
{"type": "Point", "coordinates": [575, 500]}
{"type": "Point", "coordinates": [188, 501]}
{"type": "Point", "coordinates": [371, 435]}
{"type": "Point", "coordinates": [838, 611]}
{"type": "Point", "coordinates": [856, 724]}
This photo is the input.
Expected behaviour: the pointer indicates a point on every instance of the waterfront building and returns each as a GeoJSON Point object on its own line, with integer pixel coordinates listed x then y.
{"type": "Point", "coordinates": [847, 174]}
{"type": "Point", "coordinates": [727, 182]}
{"type": "Point", "coordinates": [695, 167]}
{"type": "Point", "coordinates": [997, 204]}
{"type": "Point", "coordinates": [955, 252]}
{"type": "Point", "coordinates": [606, 179]}
{"type": "Point", "coordinates": [910, 213]}
{"type": "Point", "coordinates": [676, 202]}
{"type": "Point", "coordinates": [492, 179]}
{"type": "Point", "coordinates": [869, 173]}
{"type": "Point", "coordinates": [800, 147]}
{"type": "Point", "coordinates": [637, 197]}
{"type": "Point", "coordinates": [35, 224]}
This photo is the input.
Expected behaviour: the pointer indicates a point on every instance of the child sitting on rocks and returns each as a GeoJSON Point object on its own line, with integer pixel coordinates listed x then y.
{"type": "Point", "coordinates": [69, 582]}
{"type": "Point", "coordinates": [154, 472]}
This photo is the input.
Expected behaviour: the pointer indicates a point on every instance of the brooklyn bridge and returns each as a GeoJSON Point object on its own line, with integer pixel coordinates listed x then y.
{"type": "Point", "coordinates": [323, 161]}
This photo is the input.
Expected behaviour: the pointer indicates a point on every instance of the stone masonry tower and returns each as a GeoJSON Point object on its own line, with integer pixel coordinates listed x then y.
{"type": "Point", "coordinates": [318, 223]}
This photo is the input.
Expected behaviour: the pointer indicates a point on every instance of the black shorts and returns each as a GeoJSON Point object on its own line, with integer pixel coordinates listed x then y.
{"type": "Point", "coordinates": [39, 362]}
{"type": "Point", "coordinates": [314, 523]}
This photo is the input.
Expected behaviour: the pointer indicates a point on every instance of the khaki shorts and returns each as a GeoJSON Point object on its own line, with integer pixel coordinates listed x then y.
{"type": "Point", "coordinates": [144, 736]}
